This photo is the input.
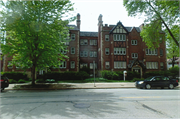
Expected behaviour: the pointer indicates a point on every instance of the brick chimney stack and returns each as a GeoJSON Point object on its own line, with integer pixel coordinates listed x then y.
{"type": "Point", "coordinates": [78, 21]}
{"type": "Point", "coordinates": [100, 22]}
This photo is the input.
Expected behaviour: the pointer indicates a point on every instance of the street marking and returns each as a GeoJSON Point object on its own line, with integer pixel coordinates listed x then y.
{"type": "Point", "coordinates": [143, 97]}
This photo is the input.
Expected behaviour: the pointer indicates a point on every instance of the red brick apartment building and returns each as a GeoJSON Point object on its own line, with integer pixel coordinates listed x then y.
{"type": "Point", "coordinates": [113, 47]}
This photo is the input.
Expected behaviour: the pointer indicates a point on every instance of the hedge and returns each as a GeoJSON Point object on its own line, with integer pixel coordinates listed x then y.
{"type": "Point", "coordinates": [16, 75]}
{"type": "Point", "coordinates": [68, 75]}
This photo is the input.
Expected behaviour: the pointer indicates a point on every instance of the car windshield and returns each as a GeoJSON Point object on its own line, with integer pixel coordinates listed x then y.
{"type": "Point", "coordinates": [149, 78]}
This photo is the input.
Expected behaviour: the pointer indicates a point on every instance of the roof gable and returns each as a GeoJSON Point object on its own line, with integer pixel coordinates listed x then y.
{"type": "Point", "coordinates": [119, 28]}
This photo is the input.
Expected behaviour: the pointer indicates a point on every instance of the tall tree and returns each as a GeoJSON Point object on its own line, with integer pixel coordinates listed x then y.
{"type": "Point", "coordinates": [36, 32]}
{"type": "Point", "coordinates": [159, 14]}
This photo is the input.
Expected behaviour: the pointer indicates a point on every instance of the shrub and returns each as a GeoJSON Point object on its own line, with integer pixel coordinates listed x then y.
{"type": "Point", "coordinates": [12, 81]}
{"type": "Point", "coordinates": [86, 69]}
{"type": "Point", "coordinates": [137, 79]}
{"type": "Point", "coordinates": [131, 75]}
{"type": "Point", "coordinates": [174, 71]}
{"type": "Point", "coordinates": [21, 81]}
{"type": "Point", "coordinates": [40, 81]}
{"type": "Point", "coordinates": [82, 75]}
{"type": "Point", "coordinates": [110, 75]}
{"type": "Point", "coordinates": [16, 75]}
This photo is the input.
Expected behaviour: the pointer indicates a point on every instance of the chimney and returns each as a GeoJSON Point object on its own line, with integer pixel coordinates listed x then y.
{"type": "Point", "coordinates": [100, 20]}
{"type": "Point", "coordinates": [141, 26]}
{"type": "Point", "coordinates": [78, 21]}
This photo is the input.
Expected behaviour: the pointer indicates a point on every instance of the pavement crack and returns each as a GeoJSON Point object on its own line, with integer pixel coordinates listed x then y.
{"type": "Point", "coordinates": [36, 107]}
{"type": "Point", "coordinates": [91, 112]}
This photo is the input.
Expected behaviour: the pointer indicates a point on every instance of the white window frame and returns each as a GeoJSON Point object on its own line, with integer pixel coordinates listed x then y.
{"type": "Point", "coordinates": [10, 65]}
{"type": "Point", "coordinates": [83, 53]}
{"type": "Point", "coordinates": [84, 42]}
{"type": "Point", "coordinates": [133, 42]}
{"type": "Point", "coordinates": [152, 65]}
{"type": "Point", "coordinates": [72, 50]}
{"type": "Point", "coordinates": [93, 42]}
{"type": "Point", "coordinates": [119, 37]}
{"type": "Point", "coordinates": [83, 65]}
{"type": "Point", "coordinates": [151, 51]}
{"type": "Point", "coordinates": [93, 54]}
{"type": "Point", "coordinates": [119, 64]}
{"type": "Point", "coordinates": [134, 55]}
{"type": "Point", "coordinates": [106, 37]}
{"type": "Point", "coordinates": [72, 64]}
{"type": "Point", "coordinates": [73, 37]}
{"type": "Point", "coordinates": [63, 65]}
{"type": "Point", "coordinates": [107, 65]}
{"type": "Point", "coordinates": [107, 51]}
{"type": "Point", "coordinates": [162, 65]}
{"type": "Point", "coordinates": [119, 51]}
{"type": "Point", "coordinates": [91, 65]}
{"type": "Point", "coordinates": [63, 51]}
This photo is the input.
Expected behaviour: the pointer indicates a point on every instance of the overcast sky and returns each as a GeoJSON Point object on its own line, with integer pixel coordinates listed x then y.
{"type": "Point", "coordinates": [112, 11]}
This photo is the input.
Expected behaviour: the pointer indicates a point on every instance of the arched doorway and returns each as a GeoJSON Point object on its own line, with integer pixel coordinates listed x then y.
{"type": "Point", "coordinates": [137, 69]}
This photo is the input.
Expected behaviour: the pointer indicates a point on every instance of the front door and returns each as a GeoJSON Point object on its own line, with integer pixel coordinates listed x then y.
{"type": "Point", "coordinates": [137, 70]}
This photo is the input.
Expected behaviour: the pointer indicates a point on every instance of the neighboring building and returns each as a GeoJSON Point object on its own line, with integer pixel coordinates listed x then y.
{"type": "Point", "coordinates": [113, 47]}
{"type": "Point", "coordinates": [176, 62]}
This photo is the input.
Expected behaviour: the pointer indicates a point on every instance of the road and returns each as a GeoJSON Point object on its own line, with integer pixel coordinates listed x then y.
{"type": "Point", "coordinates": [91, 104]}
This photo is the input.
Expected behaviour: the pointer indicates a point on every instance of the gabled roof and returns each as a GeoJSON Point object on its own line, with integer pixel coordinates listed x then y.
{"type": "Point", "coordinates": [119, 23]}
{"type": "Point", "coordinates": [91, 34]}
{"type": "Point", "coordinates": [73, 27]}
{"type": "Point", "coordinates": [136, 61]}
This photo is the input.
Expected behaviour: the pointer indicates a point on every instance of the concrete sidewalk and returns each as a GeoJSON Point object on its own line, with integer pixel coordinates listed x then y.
{"type": "Point", "coordinates": [53, 86]}
{"type": "Point", "coordinates": [56, 86]}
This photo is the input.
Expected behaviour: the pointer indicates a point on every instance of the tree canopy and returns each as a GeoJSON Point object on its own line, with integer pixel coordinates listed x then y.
{"type": "Point", "coordinates": [159, 14]}
{"type": "Point", "coordinates": [36, 32]}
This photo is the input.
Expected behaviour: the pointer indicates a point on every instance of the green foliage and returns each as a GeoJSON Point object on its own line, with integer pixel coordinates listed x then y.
{"type": "Point", "coordinates": [36, 32]}
{"type": "Point", "coordinates": [21, 81]}
{"type": "Point", "coordinates": [158, 13]}
{"type": "Point", "coordinates": [137, 79]}
{"type": "Point", "coordinates": [12, 81]}
{"type": "Point", "coordinates": [131, 75]}
{"type": "Point", "coordinates": [16, 75]}
{"type": "Point", "coordinates": [86, 69]}
{"type": "Point", "coordinates": [40, 81]}
{"type": "Point", "coordinates": [174, 71]}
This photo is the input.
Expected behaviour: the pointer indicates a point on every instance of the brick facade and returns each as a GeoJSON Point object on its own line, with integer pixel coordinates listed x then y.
{"type": "Point", "coordinates": [113, 47]}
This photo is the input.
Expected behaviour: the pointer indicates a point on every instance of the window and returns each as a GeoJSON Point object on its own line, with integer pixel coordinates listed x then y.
{"type": "Point", "coordinates": [106, 37]}
{"type": "Point", "coordinates": [92, 65]}
{"type": "Point", "coordinates": [119, 51]}
{"type": "Point", "coordinates": [72, 64]}
{"type": "Point", "coordinates": [83, 54]}
{"type": "Point", "coordinates": [63, 51]}
{"type": "Point", "coordinates": [93, 42]}
{"type": "Point", "coordinates": [93, 54]}
{"type": "Point", "coordinates": [73, 37]}
{"type": "Point", "coordinates": [119, 65]}
{"type": "Point", "coordinates": [18, 66]}
{"type": "Point", "coordinates": [134, 55]}
{"type": "Point", "coordinates": [72, 50]}
{"type": "Point", "coordinates": [10, 65]}
{"type": "Point", "coordinates": [151, 51]}
{"type": "Point", "coordinates": [161, 52]}
{"type": "Point", "coordinates": [107, 65]}
{"type": "Point", "coordinates": [83, 65]}
{"type": "Point", "coordinates": [160, 39]}
{"type": "Point", "coordinates": [119, 37]}
{"type": "Point", "coordinates": [162, 65]}
{"type": "Point", "coordinates": [84, 42]}
{"type": "Point", "coordinates": [133, 42]}
{"type": "Point", "coordinates": [152, 65]}
{"type": "Point", "coordinates": [63, 65]}
{"type": "Point", "coordinates": [107, 51]}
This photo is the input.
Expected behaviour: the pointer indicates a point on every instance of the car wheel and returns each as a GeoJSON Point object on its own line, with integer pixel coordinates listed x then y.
{"type": "Point", "coordinates": [148, 86]}
{"type": "Point", "coordinates": [171, 86]}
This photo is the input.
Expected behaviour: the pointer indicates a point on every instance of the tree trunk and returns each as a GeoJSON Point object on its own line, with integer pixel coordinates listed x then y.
{"type": "Point", "coordinates": [33, 75]}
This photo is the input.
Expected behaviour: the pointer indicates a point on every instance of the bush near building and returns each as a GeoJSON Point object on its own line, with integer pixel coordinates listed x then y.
{"type": "Point", "coordinates": [16, 75]}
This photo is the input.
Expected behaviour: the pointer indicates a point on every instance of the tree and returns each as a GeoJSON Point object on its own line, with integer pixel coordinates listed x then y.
{"type": "Point", "coordinates": [36, 32]}
{"type": "Point", "coordinates": [159, 13]}
{"type": "Point", "coordinates": [172, 48]}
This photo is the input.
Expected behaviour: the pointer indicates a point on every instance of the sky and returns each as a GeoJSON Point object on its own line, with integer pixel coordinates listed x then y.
{"type": "Point", "coordinates": [112, 11]}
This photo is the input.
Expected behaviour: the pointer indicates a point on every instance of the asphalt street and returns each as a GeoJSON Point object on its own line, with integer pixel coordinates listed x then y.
{"type": "Point", "coordinates": [91, 104]}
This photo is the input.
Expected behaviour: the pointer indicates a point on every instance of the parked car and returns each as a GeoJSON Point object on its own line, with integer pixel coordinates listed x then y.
{"type": "Point", "coordinates": [4, 82]}
{"type": "Point", "coordinates": [157, 81]}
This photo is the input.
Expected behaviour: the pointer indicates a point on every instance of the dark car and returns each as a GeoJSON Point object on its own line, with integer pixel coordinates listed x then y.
{"type": "Point", "coordinates": [4, 82]}
{"type": "Point", "coordinates": [157, 81]}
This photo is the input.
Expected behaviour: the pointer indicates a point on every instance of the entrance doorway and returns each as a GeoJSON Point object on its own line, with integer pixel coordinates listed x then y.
{"type": "Point", "coordinates": [138, 70]}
